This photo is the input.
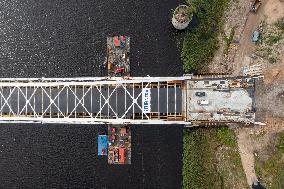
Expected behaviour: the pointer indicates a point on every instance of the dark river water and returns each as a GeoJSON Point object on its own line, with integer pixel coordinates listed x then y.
{"type": "Point", "coordinates": [65, 156]}
{"type": "Point", "coordinates": [68, 39]}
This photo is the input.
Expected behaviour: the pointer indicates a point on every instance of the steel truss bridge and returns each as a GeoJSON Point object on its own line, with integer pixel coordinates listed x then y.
{"type": "Point", "coordinates": [94, 100]}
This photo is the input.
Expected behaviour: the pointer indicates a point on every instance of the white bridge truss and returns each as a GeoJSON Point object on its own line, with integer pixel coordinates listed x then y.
{"type": "Point", "coordinates": [91, 100]}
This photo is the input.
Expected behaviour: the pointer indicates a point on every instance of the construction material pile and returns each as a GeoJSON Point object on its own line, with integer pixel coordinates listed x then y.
{"type": "Point", "coordinates": [117, 61]}
{"type": "Point", "coordinates": [119, 144]}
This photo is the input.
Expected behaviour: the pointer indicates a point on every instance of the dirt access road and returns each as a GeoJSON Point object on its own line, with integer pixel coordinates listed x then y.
{"type": "Point", "coordinates": [269, 92]}
{"type": "Point", "coordinates": [270, 11]}
{"type": "Point", "coordinates": [246, 47]}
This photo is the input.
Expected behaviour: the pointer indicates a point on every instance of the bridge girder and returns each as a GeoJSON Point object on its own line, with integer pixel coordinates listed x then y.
{"type": "Point", "coordinates": [90, 100]}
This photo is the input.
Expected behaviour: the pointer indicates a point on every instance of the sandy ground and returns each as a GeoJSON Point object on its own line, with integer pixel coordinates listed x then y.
{"type": "Point", "coordinates": [275, 72]}
{"type": "Point", "coordinates": [270, 112]}
{"type": "Point", "coordinates": [271, 11]}
{"type": "Point", "coordinates": [269, 99]}
{"type": "Point", "coordinates": [244, 22]}
{"type": "Point", "coordinates": [246, 47]}
{"type": "Point", "coordinates": [274, 10]}
{"type": "Point", "coordinates": [269, 92]}
{"type": "Point", "coordinates": [257, 139]}
{"type": "Point", "coordinates": [246, 153]}
{"type": "Point", "coordinates": [235, 17]}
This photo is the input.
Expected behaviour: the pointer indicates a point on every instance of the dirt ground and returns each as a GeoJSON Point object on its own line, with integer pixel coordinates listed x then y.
{"type": "Point", "coordinates": [249, 143]}
{"type": "Point", "coordinates": [236, 18]}
{"type": "Point", "coordinates": [269, 93]}
{"type": "Point", "coordinates": [258, 139]}
{"type": "Point", "coordinates": [246, 47]}
{"type": "Point", "coordinates": [269, 100]}
{"type": "Point", "coordinates": [246, 152]}
{"type": "Point", "coordinates": [244, 22]}
{"type": "Point", "coordinates": [274, 72]}
{"type": "Point", "coordinates": [274, 10]}
{"type": "Point", "coordinates": [269, 12]}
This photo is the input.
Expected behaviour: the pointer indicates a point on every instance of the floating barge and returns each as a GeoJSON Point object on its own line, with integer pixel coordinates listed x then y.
{"type": "Point", "coordinates": [117, 60]}
{"type": "Point", "coordinates": [119, 144]}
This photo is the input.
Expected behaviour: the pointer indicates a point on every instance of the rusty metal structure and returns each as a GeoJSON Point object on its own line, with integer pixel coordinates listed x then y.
{"type": "Point", "coordinates": [118, 52]}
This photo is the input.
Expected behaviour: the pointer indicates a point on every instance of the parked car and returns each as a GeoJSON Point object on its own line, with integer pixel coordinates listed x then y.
{"type": "Point", "coordinates": [200, 94]}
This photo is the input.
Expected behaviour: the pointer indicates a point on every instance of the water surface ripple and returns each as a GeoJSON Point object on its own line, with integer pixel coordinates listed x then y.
{"type": "Point", "coordinates": [68, 39]}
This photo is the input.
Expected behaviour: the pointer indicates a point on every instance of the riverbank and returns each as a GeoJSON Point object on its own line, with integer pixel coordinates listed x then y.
{"type": "Point", "coordinates": [201, 42]}
{"type": "Point", "coordinates": [211, 159]}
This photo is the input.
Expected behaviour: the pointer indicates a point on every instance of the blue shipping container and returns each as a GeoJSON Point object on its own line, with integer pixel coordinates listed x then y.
{"type": "Point", "coordinates": [102, 145]}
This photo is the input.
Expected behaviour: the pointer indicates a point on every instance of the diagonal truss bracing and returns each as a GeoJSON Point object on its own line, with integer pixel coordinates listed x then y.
{"type": "Point", "coordinates": [91, 100]}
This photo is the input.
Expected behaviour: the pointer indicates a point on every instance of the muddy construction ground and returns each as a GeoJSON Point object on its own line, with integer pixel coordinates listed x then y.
{"type": "Point", "coordinates": [269, 100]}
{"type": "Point", "coordinates": [240, 23]}
{"type": "Point", "coordinates": [270, 92]}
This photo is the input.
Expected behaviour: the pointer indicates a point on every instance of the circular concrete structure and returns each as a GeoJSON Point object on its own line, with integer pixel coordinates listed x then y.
{"type": "Point", "coordinates": [181, 17]}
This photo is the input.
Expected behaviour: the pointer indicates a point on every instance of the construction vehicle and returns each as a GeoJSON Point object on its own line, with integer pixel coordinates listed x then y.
{"type": "Point", "coordinates": [255, 37]}
{"type": "Point", "coordinates": [255, 5]}
{"type": "Point", "coordinates": [202, 102]}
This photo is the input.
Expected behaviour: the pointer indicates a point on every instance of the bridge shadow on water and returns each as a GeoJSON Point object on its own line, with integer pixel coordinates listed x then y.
{"type": "Point", "coordinates": [65, 156]}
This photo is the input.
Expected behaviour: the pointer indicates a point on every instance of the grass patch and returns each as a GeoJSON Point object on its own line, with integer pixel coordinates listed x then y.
{"type": "Point", "coordinates": [280, 24]}
{"type": "Point", "coordinates": [211, 160]}
{"type": "Point", "coordinates": [280, 143]}
{"type": "Point", "coordinates": [272, 59]}
{"type": "Point", "coordinates": [228, 40]}
{"type": "Point", "coordinates": [277, 34]}
{"type": "Point", "coordinates": [273, 38]}
{"type": "Point", "coordinates": [226, 137]}
{"type": "Point", "coordinates": [201, 42]}
{"type": "Point", "coordinates": [271, 171]}
{"type": "Point", "coordinates": [197, 155]}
